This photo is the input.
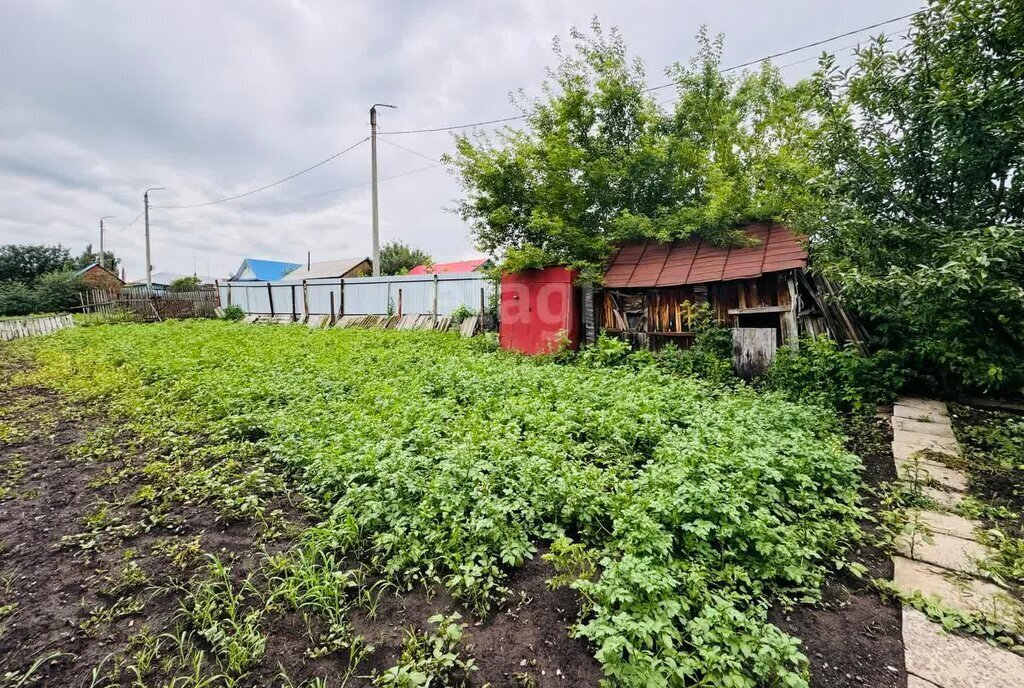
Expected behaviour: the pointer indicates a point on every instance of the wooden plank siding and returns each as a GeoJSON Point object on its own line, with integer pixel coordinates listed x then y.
{"type": "Point", "coordinates": [654, 316]}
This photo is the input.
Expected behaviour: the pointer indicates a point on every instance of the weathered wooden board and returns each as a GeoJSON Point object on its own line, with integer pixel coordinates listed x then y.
{"type": "Point", "coordinates": [753, 349]}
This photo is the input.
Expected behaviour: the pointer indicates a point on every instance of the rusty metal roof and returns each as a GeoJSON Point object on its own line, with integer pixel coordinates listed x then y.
{"type": "Point", "coordinates": [694, 261]}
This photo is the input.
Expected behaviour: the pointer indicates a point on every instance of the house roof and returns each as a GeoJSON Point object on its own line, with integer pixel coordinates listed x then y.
{"type": "Point", "coordinates": [329, 268]}
{"type": "Point", "coordinates": [458, 266]}
{"type": "Point", "coordinates": [90, 266]}
{"type": "Point", "coordinates": [266, 269]}
{"type": "Point", "coordinates": [694, 261]}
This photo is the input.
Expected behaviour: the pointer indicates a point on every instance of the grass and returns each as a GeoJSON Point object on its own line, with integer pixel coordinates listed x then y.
{"type": "Point", "coordinates": [684, 509]}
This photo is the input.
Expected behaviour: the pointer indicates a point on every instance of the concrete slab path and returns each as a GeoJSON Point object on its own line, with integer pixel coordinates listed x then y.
{"type": "Point", "coordinates": [940, 561]}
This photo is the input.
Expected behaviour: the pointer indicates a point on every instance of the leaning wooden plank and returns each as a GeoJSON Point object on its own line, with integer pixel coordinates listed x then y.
{"type": "Point", "coordinates": [468, 328]}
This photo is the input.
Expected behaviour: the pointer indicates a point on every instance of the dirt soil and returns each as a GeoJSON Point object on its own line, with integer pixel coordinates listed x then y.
{"type": "Point", "coordinates": [61, 584]}
{"type": "Point", "coordinates": [853, 638]}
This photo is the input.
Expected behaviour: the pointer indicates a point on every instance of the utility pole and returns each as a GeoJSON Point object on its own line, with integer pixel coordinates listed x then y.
{"type": "Point", "coordinates": [373, 172]}
{"type": "Point", "coordinates": [102, 260]}
{"type": "Point", "coordinates": [149, 263]}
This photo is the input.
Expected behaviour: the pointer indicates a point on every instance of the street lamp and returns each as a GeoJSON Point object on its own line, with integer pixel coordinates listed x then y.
{"type": "Point", "coordinates": [373, 172]}
{"type": "Point", "coordinates": [149, 265]}
{"type": "Point", "coordinates": [105, 217]}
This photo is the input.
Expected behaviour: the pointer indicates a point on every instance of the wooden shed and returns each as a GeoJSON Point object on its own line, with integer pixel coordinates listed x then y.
{"type": "Point", "coordinates": [651, 290]}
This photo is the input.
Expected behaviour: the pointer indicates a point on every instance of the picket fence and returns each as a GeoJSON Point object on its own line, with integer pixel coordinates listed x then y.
{"type": "Point", "coordinates": [16, 328]}
{"type": "Point", "coordinates": [437, 295]}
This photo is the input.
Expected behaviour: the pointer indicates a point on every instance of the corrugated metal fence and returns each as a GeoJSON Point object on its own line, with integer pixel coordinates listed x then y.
{"type": "Point", "coordinates": [16, 328]}
{"type": "Point", "coordinates": [405, 294]}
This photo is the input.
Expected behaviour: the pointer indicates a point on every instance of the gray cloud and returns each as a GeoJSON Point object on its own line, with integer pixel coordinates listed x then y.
{"type": "Point", "coordinates": [99, 100]}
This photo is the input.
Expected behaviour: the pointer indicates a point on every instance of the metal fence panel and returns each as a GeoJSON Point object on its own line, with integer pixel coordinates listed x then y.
{"type": "Point", "coordinates": [362, 295]}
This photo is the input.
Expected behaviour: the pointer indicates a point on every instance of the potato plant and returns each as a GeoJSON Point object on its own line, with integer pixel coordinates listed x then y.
{"type": "Point", "coordinates": [434, 462]}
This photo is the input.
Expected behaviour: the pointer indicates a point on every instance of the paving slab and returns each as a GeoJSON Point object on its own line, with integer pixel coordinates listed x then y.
{"type": "Point", "coordinates": [904, 425]}
{"type": "Point", "coordinates": [945, 551]}
{"type": "Point", "coordinates": [920, 440]}
{"type": "Point", "coordinates": [954, 661]}
{"type": "Point", "coordinates": [967, 594]}
{"type": "Point", "coordinates": [915, 413]}
{"type": "Point", "coordinates": [923, 472]}
{"type": "Point", "coordinates": [927, 405]}
{"type": "Point", "coordinates": [950, 524]}
{"type": "Point", "coordinates": [903, 450]}
{"type": "Point", "coordinates": [946, 498]}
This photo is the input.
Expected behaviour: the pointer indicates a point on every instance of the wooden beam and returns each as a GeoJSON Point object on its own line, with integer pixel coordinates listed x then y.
{"type": "Point", "coordinates": [759, 309]}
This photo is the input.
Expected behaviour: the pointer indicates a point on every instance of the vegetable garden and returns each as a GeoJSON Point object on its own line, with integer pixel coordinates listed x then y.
{"type": "Point", "coordinates": [374, 464]}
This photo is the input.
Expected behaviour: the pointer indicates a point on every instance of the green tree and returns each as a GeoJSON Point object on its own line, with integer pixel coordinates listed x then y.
{"type": "Point", "coordinates": [26, 263]}
{"type": "Point", "coordinates": [57, 291]}
{"type": "Point", "coordinates": [184, 284]}
{"type": "Point", "coordinates": [397, 258]}
{"type": "Point", "coordinates": [922, 207]}
{"type": "Point", "coordinates": [601, 160]}
{"type": "Point", "coordinates": [88, 257]}
{"type": "Point", "coordinates": [17, 299]}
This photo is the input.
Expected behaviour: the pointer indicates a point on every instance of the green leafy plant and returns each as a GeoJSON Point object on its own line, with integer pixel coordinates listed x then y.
{"type": "Point", "coordinates": [431, 659]}
{"type": "Point", "coordinates": [233, 312]}
{"type": "Point", "coordinates": [823, 372]}
{"type": "Point", "coordinates": [698, 506]}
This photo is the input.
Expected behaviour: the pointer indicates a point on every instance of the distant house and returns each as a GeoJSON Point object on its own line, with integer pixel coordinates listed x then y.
{"type": "Point", "coordinates": [162, 281]}
{"type": "Point", "coordinates": [263, 270]}
{"type": "Point", "coordinates": [474, 265]}
{"type": "Point", "coordinates": [95, 276]}
{"type": "Point", "coordinates": [346, 267]}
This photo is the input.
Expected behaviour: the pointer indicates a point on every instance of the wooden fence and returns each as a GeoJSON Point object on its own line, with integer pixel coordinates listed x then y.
{"type": "Point", "coordinates": [16, 328]}
{"type": "Point", "coordinates": [143, 305]}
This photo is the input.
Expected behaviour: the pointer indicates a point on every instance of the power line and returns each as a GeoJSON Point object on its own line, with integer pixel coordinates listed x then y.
{"type": "Point", "coordinates": [267, 186]}
{"type": "Point", "coordinates": [802, 47]}
{"type": "Point", "coordinates": [318, 194]}
{"type": "Point", "coordinates": [409, 150]}
{"type": "Point", "coordinates": [129, 225]}
{"type": "Point", "coordinates": [455, 126]}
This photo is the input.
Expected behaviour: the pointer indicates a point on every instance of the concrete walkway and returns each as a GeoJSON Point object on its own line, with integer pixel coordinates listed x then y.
{"type": "Point", "coordinates": [938, 558]}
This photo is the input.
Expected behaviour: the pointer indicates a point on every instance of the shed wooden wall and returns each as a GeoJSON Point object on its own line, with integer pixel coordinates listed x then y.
{"type": "Point", "coordinates": [652, 317]}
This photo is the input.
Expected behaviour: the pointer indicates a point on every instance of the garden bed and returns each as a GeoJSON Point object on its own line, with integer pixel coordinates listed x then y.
{"type": "Point", "coordinates": [351, 484]}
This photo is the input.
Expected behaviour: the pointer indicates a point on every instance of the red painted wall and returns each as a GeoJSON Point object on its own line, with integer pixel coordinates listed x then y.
{"type": "Point", "coordinates": [537, 307]}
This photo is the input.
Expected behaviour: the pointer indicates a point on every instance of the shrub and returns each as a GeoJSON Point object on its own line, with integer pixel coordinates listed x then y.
{"type": "Point", "coordinates": [824, 373]}
{"type": "Point", "coordinates": [233, 313]}
{"type": "Point", "coordinates": [17, 299]}
{"type": "Point", "coordinates": [461, 313]}
{"type": "Point", "coordinates": [58, 291]}
{"type": "Point", "coordinates": [184, 284]}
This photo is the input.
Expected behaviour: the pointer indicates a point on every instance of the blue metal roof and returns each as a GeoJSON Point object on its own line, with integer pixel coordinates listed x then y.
{"type": "Point", "coordinates": [269, 269]}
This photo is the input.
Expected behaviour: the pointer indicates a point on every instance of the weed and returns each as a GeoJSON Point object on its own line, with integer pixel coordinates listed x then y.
{"type": "Point", "coordinates": [430, 659]}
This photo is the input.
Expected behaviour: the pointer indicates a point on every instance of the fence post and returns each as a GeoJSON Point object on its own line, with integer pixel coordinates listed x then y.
{"type": "Point", "coordinates": [332, 307]}
{"type": "Point", "coordinates": [399, 302]}
{"type": "Point", "coordinates": [229, 294]}
{"type": "Point", "coordinates": [305, 301]}
{"type": "Point", "coordinates": [294, 314]}
{"type": "Point", "coordinates": [435, 298]}
{"type": "Point", "coordinates": [270, 295]}
{"type": "Point", "coordinates": [341, 298]}
{"type": "Point", "coordinates": [483, 301]}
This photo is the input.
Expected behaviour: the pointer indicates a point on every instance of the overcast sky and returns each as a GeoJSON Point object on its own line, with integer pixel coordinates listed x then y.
{"type": "Point", "coordinates": [101, 99]}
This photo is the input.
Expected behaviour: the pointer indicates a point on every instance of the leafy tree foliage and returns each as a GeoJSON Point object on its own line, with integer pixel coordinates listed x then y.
{"type": "Point", "coordinates": [397, 258]}
{"type": "Point", "coordinates": [26, 263]}
{"type": "Point", "coordinates": [921, 211]}
{"type": "Point", "coordinates": [602, 161]}
{"type": "Point", "coordinates": [184, 284]}
{"type": "Point", "coordinates": [88, 257]}
{"type": "Point", "coordinates": [51, 293]}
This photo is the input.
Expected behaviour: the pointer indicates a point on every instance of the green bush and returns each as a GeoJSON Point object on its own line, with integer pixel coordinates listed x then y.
{"type": "Point", "coordinates": [17, 299]}
{"type": "Point", "coordinates": [461, 313]}
{"type": "Point", "coordinates": [822, 372]}
{"type": "Point", "coordinates": [58, 291]}
{"type": "Point", "coordinates": [233, 313]}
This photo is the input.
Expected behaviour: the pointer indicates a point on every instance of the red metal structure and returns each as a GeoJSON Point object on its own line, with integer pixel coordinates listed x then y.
{"type": "Point", "coordinates": [540, 309]}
